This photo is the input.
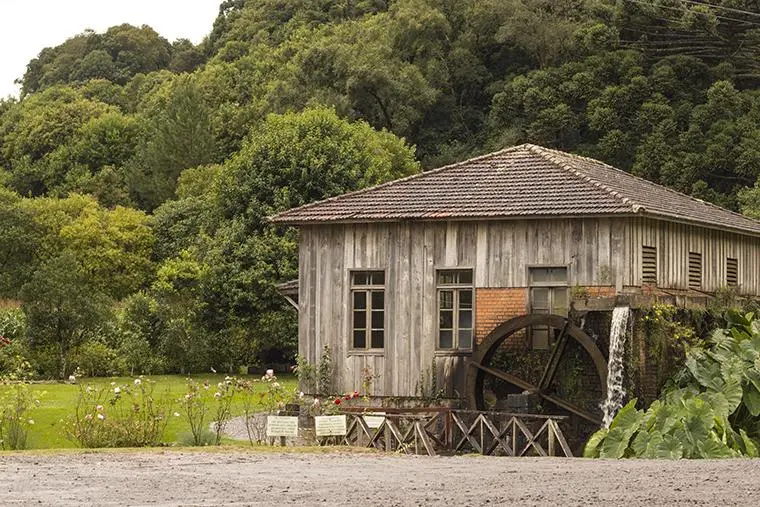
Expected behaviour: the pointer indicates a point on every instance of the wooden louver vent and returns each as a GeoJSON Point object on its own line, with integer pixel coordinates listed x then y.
{"type": "Point", "coordinates": [648, 264]}
{"type": "Point", "coordinates": [732, 272]}
{"type": "Point", "coordinates": [695, 270]}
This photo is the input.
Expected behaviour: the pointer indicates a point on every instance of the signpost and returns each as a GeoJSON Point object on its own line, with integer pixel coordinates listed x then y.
{"type": "Point", "coordinates": [373, 420]}
{"type": "Point", "coordinates": [282, 426]}
{"type": "Point", "coordinates": [330, 425]}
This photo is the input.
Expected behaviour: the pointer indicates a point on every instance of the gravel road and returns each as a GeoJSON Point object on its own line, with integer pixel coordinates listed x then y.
{"type": "Point", "coordinates": [234, 477]}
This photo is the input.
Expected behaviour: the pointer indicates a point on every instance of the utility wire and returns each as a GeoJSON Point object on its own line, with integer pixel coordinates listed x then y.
{"type": "Point", "coordinates": [689, 11]}
{"type": "Point", "coordinates": [727, 9]}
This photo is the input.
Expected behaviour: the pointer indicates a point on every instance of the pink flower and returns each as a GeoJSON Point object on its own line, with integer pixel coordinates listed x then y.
{"type": "Point", "coordinates": [356, 394]}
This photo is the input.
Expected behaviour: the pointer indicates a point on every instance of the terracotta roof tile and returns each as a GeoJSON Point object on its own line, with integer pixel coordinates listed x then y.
{"type": "Point", "coordinates": [525, 180]}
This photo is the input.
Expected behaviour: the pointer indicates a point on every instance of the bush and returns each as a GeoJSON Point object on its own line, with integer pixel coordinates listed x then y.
{"type": "Point", "coordinates": [16, 402]}
{"type": "Point", "coordinates": [119, 416]}
{"type": "Point", "coordinates": [203, 404]}
{"type": "Point", "coordinates": [95, 359]}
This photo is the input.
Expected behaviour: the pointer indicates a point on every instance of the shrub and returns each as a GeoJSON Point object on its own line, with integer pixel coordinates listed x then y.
{"type": "Point", "coordinates": [119, 415]}
{"type": "Point", "coordinates": [16, 402]}
{"type": "Point", "coordinates": [95, 359]}
{"type": "Point", "coordinates": [203, 405]}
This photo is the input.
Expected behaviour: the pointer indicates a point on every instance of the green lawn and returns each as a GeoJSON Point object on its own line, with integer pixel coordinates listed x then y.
{"type": "Point", "coordinates": [58, 402]}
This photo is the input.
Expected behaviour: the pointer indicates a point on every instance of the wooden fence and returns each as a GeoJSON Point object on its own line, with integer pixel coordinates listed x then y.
{"type": "Point", "coordinates": [443, 430]}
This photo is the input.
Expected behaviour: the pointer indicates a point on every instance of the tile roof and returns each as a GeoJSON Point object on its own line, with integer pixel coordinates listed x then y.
{"type": "Point", "coordinates": [522, 181]}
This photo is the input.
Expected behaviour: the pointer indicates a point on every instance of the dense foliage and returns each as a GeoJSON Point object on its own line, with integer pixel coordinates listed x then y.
{"type": "Point", "coordinates": [149, 166]}
{"type": "Point", "coordinates": [713, 411]}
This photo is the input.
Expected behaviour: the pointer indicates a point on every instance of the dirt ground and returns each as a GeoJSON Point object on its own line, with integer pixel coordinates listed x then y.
{"type": "Point", "coordinates": [248, 478]}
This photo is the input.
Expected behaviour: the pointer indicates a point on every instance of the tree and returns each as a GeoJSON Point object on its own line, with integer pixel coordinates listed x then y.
{"type": "Point", "coordinates": [18, 248]}
{"type": "Point", "coordinates": [62, 307]}
{"type": "Point", "coordinates": [178, 136]}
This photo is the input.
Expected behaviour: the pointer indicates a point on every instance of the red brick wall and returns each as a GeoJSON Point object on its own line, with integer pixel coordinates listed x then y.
{"type": "Point", "coordinates": [600, 291]}
{"type": "Point", "coordinates": [495, 305]}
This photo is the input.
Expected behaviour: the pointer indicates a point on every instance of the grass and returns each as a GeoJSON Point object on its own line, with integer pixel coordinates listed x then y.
{"type": "Point", "coordinates": [58, 402]}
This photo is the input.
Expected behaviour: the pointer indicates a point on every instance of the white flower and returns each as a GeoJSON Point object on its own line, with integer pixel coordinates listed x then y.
{"type": "Point", "coordinates": [116, 390]}
{"type": "Point", "coordinates": [188, 396]}
{"type": "Point", "coordinates": [176, 414]}
{"type": "Point", "coordinates": [316, 402]}
{"type": "Point", "coordinates": [270, 373]}
{"type": "Point", "coordinates": [101, 416]}
{"type": "Point", "coordinates": [89, 389]}
{"type": "Point", "coordinates": [31, 421]}
{"type": "Point", "coordinates": [213, 370]}
{"type": "Point", "coordinates": [113, 383]}
{"type": "Point", "coordinates": [217, 394]}
{"type": "Point", "coordinates": [220, 385]}
{"type": "Point", "coordinates": [99, 408]}
{"type": "Point", "coordinates": [138, 381]}
{"type": "Point", "coordinates": [227, 378]}
{"type": "Point", "coordinates": [88, 417]}
{"type": "Point", "coordinates": [276, 384]}
{"type": "Point", "coordinates": [300, 395]}
{"type": "Point", "coordinates": [72, 378]}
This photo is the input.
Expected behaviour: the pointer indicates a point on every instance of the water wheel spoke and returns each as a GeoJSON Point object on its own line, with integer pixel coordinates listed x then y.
{"type": "Point", "coordinates": [554, 359]}
{"type": "Point", "coordinates": [527, 386]}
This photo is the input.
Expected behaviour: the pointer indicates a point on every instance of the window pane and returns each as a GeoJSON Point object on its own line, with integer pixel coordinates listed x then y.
{"type": "Point", "coordinates": [560, 301]}
{"type": "Point", "coordinates": [446, 277]}
{"type": "Point", "coordinates": [360, 278]}
{"type": "Point", "coordinates": [539, 275]}
{"type": "Point", "coordinates": [465, 319]}
{"type": "Point", "coordinates": [446, 320]}
{"type": "Point", "coordinates": [465, 276]}
{"type": "Point", "coordinates": [360, 339]}
{"type": "Point", "coordinates": [446, 339]}
{"type": "Point", "coordinates": [378, 278]}
{"type": "Point", "coordinates": [378, 338]}
{"type": "Point", "coordinates": [539, 298]}
{"type": "Point", "coordinates": [465, 338]}
{"type": "Point", "coordinates": [465, 299]}
{"type": "Point", "coordinates": [378, 319]}
{"type": "Point", "coordinates": [378, 300]}
{"type": "Point", "coordinates": [447, 299]}
{"type": "Point", "coordinates": [558, 274]}
{"type": "Point", "coordinates": [360, 319]}
{"type": "Point", "coordinates": [360, 300]}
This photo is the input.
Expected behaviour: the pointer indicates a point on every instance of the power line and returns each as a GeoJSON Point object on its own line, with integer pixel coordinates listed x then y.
{"type": "Point", "coordinates": [689, 11]}
{"type": "Point", "coordinates": [727, 9]}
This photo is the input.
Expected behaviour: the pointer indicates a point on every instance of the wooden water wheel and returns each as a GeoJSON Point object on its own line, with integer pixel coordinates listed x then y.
{"type": "Point", "coordinates": [485, 369]}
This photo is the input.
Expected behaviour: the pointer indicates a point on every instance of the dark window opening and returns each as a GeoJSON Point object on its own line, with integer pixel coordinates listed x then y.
{"type": "Point", "coordinates": [368, 309]}
{"type": "Point", "coordinates": [455, 309]}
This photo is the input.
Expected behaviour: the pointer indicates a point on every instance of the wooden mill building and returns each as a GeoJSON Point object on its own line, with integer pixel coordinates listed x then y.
{"type": "Point", "coordinates": [423, 268]}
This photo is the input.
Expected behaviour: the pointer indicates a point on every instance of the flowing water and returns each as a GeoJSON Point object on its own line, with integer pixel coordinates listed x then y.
{"type": "Point", "coordinates": [615, 392]}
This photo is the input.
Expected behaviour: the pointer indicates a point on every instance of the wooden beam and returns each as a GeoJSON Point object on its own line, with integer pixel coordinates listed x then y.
{"type": "Point", "coordinates": [526, 386]}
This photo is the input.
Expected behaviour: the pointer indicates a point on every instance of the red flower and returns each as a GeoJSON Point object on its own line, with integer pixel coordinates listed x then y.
{"type": "Point", "coordinates": [337, 401]}
{"type": "Point", "coordinates": [356, 394]}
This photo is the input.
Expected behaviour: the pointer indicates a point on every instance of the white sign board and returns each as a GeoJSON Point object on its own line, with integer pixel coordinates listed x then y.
{"type": "Point", "coordinates": [330, 425]}
{"type": "Point", "coordinates": [374, 419]}
{"type": "Point", "coordinates": [282, 426]}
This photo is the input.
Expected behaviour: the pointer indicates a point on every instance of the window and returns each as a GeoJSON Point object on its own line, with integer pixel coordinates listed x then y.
{"type": "Point", "coordinates": [695, 270]}
{"type": "Point", "coordinates": [368, 309]}
{"type": "Point", "coordinates": [455, 309]}
{"type": "Point", "coordinates": [732, 272]}
{"type": "Point", "coordinates": [548, 294]}
{"type": "Point", "coordinates": [648, 264]}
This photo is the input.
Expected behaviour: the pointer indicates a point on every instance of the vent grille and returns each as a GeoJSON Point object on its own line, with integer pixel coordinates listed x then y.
{"type": "Point", "coordinates": [695, 270]}
{"type": "Point", "coordinates": [648, 264]}
{"type": "Point", "coordinates": [732, 272]}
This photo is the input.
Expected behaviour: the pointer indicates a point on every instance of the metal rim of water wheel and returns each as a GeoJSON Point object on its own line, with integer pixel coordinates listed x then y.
{"type": "Point", "coordinates": [480, 363]}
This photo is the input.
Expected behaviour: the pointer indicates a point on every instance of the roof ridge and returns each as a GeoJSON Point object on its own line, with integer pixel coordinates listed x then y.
{"type": "Point", "coordinates": [646, 181]}
{"type": "Point", "coordinates": [553, 157]}
{"type": "Point", "coordinates": [418, 175]}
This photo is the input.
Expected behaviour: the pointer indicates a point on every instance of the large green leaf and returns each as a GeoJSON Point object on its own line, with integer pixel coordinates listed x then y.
{"type": "Point", "coordinates": [591, 450]}
{"type": "Point", "coordinates": [712, 448]}
{"type": "Point", "coordinates": [627, 417]}
{"type": "Point", "coordinates": [751, 399]}
{"type": "Point", "coordinates": [669, 448]}
{"type": "Point", "coordinates": [750, 447]}
{"type": "Point", "coordinates": [615, 443]}
{"type": "Point", "coordinates": [640, 443]}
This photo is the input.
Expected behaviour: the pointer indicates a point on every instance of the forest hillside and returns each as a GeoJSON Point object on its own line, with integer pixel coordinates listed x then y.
{"type": "Point", "coordinates": [136, 172]}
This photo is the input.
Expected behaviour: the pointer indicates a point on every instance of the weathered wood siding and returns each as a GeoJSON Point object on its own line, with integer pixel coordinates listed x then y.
{"type": "Point", "coordinates": [598, 252]}
{"type": "Point", "coordinates": [674, 241]}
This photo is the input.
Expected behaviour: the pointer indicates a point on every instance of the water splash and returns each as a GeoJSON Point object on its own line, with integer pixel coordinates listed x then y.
{"type": "Point", "coordinates": [615, 392]}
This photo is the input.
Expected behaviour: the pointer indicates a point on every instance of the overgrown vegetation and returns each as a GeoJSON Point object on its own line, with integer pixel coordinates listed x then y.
{"type": "Point", "coordinates": [136, 173]}
{"type": "Point", "coordinates": [711, 410]}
